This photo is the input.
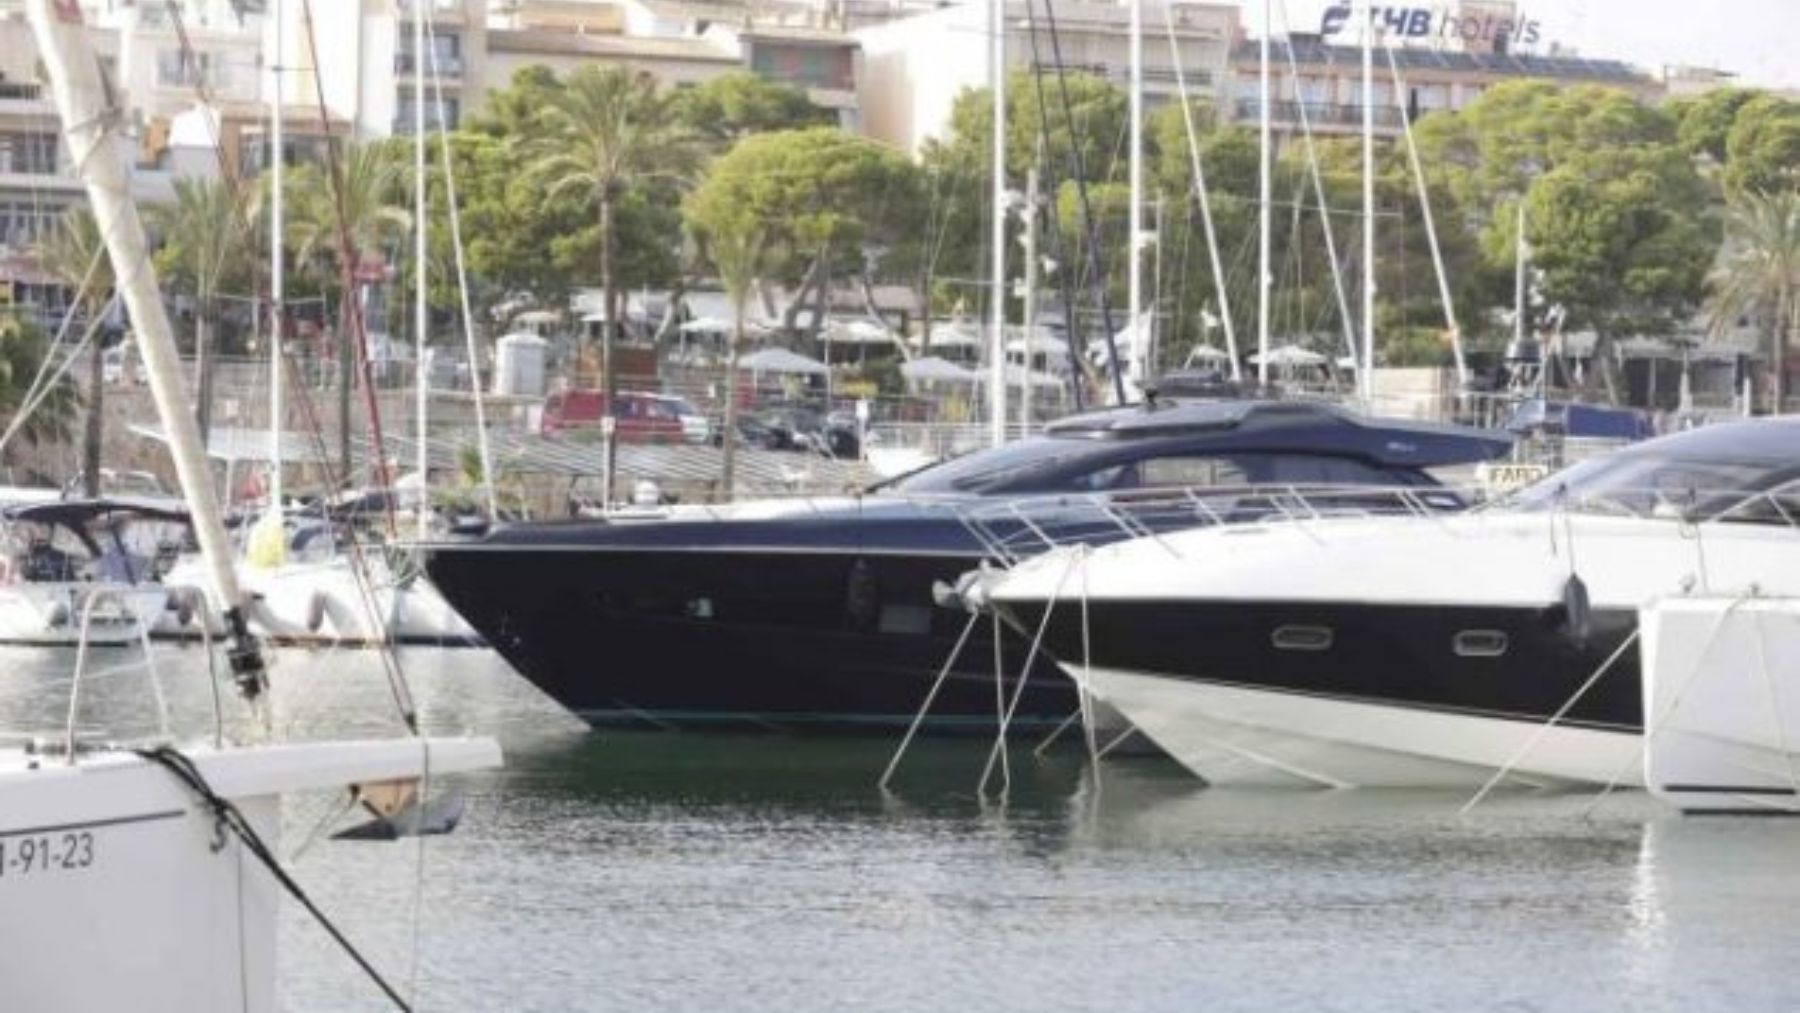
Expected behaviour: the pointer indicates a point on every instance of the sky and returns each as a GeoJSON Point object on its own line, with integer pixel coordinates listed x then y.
{"type": "Point", "coordinates": [1757, 39]}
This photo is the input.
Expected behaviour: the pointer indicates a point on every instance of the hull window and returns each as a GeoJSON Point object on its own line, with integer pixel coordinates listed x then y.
{"type": "Point", "coordinates": [1301, 638]}
{"type": "Point", "coordinates": [1480, 644]}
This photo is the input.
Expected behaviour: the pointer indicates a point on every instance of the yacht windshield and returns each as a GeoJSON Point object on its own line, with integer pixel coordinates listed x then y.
{"type": "Point", "coordinates": [1651, 484]}
{"type": "Point", "coordinates": [987, 469]}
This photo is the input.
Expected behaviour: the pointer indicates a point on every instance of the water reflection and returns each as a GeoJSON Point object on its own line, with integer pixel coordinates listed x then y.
{"type": "Point", "coordinates": [752, 872]}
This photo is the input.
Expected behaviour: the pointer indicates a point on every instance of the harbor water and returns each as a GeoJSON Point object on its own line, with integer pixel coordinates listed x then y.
{"type": "Point", "coordinates": [638, 870]}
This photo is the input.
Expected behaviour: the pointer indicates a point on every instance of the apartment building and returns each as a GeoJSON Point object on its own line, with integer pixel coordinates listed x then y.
{"type": "Point", "coordinates": [360, 56]}
{"type": "Point", "coordinates": [1443, 58]}
{"type": "Point", "coordinates": [914, 67]}
{"type": "Point", "coordinates": [1319, 84]}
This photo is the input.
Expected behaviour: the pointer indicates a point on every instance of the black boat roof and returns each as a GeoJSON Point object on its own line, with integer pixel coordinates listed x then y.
{"type": "Point", "coordinates": [1772, 440]}
{"type": "Point", "coordinates": [78, 512]}
{"type": "Point", "coordinates": [1388, 440]}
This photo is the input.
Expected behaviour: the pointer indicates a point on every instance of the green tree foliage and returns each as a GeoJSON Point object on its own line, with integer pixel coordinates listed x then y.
{"type": "Point", "coordinates": [1621, 242]}
{"type": "Point", "coordinates": [1762, 149]}
{"type": "Point", "coordinates": [822, 198]}
{"type": "Point", "coordinates": [738, 104]}
{"type": "Point", "coordinates": [608, 130]}
{"type": "Point", "coordinates": [1704, 122]}
{"type": "Point", "coordinates": [204, 237]}
{"type": "Point", "coordinates": [22, 351]}
{"type": "Point", "coordinates": [1616, 211]}
{"type": "Point", "coordinates": [76, 254]}
{"type": "Point", "coordinates": [371, 210]}
{"type": "Point", "coordinates": [1759, 275]}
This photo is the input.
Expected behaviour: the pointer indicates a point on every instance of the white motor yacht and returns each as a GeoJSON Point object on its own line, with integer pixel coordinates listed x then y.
{"type": "Point", "coordinates": [1421, 650]}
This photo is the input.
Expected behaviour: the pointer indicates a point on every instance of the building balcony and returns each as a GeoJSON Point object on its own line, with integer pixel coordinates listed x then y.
{"type": "Point", "coordinates": [406, 65]}
{"type": "Point", "coordinates": [1318, 114]}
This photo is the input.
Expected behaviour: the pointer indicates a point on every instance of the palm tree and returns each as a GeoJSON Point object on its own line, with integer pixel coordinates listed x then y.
{"type": "Point", "coordinates": [70, 252]}
{"type": "Point", "coordinates": [22, 352]}
{"type": "Point", "coordinates": [204, 240]}
{"type": "Point", "coordinates": [738, 254]}
{"type": "Point", "coordinates": [1759, 274]}
{"type": "Point", "coordinates": [363, 209]}
{"type": "Point", "coordinates": [608, 130]}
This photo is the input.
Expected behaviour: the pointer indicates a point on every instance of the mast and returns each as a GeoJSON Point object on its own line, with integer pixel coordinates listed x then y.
{"type": "Point", "coordinates": [277, 273]}
{"type": "Point", "coordinates": [83, 103]}
{"type": "Point", "coordinates": [420, 310]}
{"type": "Point", "coordinates": [1366, 375]}
{"type": "Point", "coordinates": [1134, 237]}
{"type": "Point", "coordinates": [1030, 308]}
{"type": "Point", "coordinates": [1264, 221]}
{"type": "Point", "coordinates": [1212, 236]}
{"type": "Point", "coordinates": [997, 311]}
{"type": "Point", "coordinates": [1519, 255]}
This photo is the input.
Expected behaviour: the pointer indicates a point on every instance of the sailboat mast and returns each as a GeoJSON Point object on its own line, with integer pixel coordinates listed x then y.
{"type": "Point", "coordinates": [277, 266]}
{"type": "Point", "coordinates": [1264, 221]}
{"type": "Point", "coordinates": [1140, 337]}
{"type": "Point", "coordinates": [82, 102]}
{"type": "Point", "coordinates": [1206, 219]}
{"type": "Point", "coordinates": [997, 309]}
{"type": "Point", "coordinates": [1367, 373]}
{"type": "Point", "coordinates": [420, 309]}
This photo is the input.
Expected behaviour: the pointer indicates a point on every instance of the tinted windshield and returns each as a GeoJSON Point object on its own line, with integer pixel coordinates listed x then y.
{"type": "Point", "coordinates": [1646, 484]}
{"type": "Point", "coordinates": [986, 469]}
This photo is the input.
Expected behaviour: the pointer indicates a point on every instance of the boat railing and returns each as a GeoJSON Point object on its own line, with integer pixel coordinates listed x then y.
{"type": "Point", "coordinates": [1776, 505]}
{"type": "Point", "coordinates": [1015, 529]}
{"type": "Point", "coordinates": [122, 595]}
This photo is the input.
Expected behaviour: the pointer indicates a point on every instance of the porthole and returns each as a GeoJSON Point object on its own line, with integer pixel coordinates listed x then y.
{"type": "Point", "coordinates": [1480, 643]}
{"type": "Point", "coordinates": [1301, 638]}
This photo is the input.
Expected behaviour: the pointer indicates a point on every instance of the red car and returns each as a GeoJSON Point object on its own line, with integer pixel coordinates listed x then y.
{"type": "Point", "coordinates": [642, 418]}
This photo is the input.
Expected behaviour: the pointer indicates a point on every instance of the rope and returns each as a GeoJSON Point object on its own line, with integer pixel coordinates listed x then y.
{"type": "Point", "coordinates": [1544, 729]}
{"type": "Point", "coordinates": [231, 818]}
{"type": "Point", "coordinates": [924, 708]}
{"type": "Point", "coordinates": [1037, 642]}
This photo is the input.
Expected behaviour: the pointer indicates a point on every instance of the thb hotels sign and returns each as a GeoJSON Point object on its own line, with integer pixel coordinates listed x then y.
{"type": "Point", "coordinates": [1472, 25]}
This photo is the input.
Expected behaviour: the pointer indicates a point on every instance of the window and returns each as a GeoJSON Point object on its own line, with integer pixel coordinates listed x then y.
{"type": "Point", "coordinates": [1163, 472]}
{"type": "Point", "coordinates": [1317, 469]}
{"type": "Point", "coordinates": [23, 223]}
{"type": "Point", "coordinates": [28, 153]}
{"type": "Point", "coordinates": [174, 69]}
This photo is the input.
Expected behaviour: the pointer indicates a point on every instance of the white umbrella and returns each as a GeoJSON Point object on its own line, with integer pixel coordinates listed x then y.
{"type": "Point", "coordinates": [857, 332]}
{"type": "Point", "coordinates": [932, 369]}
{"type": "Point", "coordinates": [956, 335]}
{"type": "Point", "coordinates": [1048, 344]}
{"type": "Point", "coordinates": [1207, 353]}
{"type": "Point", "coordinates": [780, 360]}
{"type": "Point", "coordinates": [1290, 355]}
{"type": "Point", "coordinates": [1017, 376]}
{"type": "Point", "coordinates": [719, 325]}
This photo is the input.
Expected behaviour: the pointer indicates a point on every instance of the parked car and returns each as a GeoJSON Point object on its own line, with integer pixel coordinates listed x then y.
{"type": "Point", "coordinates": [642, 417]}
{"type": "Point", "coordinates": [799, 427]}
{"type": "Point", "coordinates": [695, 427]}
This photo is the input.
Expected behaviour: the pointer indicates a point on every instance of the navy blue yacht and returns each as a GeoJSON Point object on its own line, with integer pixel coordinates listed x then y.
{"type": "Point", "coordinates": [799, 614]}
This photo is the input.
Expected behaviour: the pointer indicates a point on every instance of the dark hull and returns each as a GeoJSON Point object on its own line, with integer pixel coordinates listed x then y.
{"type": "Point", "coordinates": [1395, 655]}
{"type": "Point", "coordinates": [822, 638]}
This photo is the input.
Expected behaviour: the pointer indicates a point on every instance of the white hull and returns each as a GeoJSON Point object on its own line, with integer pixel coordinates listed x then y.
{"type": "Point", "coordinates": [50, 614]}
{"type": "Point", "coordinates": [324, 604]}
{"type": "Point", "coordinates": [113, 895]}
{"type": "Point", "coordinates": [1722, 699]}
{"type": "Point", "coordinates": [1241, 736]}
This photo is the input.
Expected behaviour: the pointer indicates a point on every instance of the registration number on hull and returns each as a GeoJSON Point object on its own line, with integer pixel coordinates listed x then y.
{"type": "Point", "coordinates": [69, 851]}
